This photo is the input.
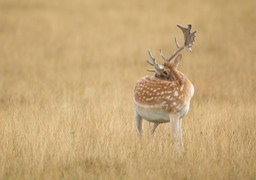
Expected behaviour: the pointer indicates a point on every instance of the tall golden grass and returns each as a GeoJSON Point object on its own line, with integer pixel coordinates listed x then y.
{"type": "Point", "coordinates": [67, 72]}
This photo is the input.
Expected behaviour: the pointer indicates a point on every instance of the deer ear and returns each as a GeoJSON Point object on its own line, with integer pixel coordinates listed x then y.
{"type": "Point", "coordinates": [177, 60]}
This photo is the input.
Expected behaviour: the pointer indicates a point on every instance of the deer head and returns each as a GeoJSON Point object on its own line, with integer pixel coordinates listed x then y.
{"type": "Point", "coordinates": [164, 71]}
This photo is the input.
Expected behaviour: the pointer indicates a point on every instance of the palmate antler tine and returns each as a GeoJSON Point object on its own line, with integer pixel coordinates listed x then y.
{"type": "Point", "coordinates": [176, 42]}
{"type": "Point", "coordinates": [189, 39]}
{"type": "Point", "coordinates": [151, 70]}
{"type": "Point", "coordinates": [174, 54]}
{"type": "Point", "coordinates": [152, 62]}
{"type": "Point", "coordinates": [152, 59]}
{"type": "Point", "coordinates": [163, 56]}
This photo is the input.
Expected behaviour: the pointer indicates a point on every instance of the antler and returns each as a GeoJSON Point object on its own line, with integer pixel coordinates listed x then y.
{"type": "Point", "coordinates": [158, 68]}
{"type": "Point", "coordinates": [189, 39]}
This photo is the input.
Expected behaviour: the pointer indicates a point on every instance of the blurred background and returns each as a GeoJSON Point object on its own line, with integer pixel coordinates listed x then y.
{"type": "Point", "coordinates": [96, 42]}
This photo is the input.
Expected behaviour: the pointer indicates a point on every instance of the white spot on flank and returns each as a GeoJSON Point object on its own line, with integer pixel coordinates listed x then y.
{"type": "Point", "coordinates": [170, 98]}
{"type": "Point", "coordinates": [174, 103]}
{"type": "Point", "coordinates": [182, 87]}
{"type": "Point", "coordinates": [162, 92]}
{"type": "Point", "coordinates": [179, 106]}
{"type": "Point", "coordinates": [176, 93]}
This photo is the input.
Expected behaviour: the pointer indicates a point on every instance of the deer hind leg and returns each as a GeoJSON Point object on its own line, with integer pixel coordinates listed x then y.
{"type": "Point", "coordinates": [153, 130]}
{"type": "Point", "coordinates": [175, 122]}
{"type": "Point", "coordinates": [138, 123]}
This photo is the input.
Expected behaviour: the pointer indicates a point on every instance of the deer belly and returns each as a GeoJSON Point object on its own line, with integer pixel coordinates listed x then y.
{"type": "Point", "coordinates": [152, 113]}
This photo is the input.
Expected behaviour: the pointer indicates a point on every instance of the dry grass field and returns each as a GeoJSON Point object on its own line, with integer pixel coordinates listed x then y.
{"type": "Point", "coordinates": [67, 73]}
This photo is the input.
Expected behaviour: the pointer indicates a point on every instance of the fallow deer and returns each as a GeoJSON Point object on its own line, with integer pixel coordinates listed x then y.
{"type": "Point", "coordinates": [165, 97]}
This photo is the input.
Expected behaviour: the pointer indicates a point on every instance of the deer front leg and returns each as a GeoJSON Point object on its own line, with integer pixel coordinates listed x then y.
{"type": "Point", "coordinates": [181, 136]}
{"type": "Point", "coordinates": [138, 123]}
{"type": "Point", "coordinates": [175, 123]}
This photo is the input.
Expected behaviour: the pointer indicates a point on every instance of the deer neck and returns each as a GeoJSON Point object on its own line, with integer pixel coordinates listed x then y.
{"type": "Point", "coordinates": [175, 75]}
{"type": "Point", "coordinates": [186, 85]}
{"type": "Point", "coordinates": [183, 82]}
